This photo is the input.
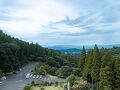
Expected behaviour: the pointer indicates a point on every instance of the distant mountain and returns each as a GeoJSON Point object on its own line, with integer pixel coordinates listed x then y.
{"type": "Point", "coordinates": [71, 50]}
{"type": "Point", "coordinates": [77, 49]}
{"type": "Point", "coordinates": [65, 47]}
{"type": "Point", "coordinates": [109, 46]}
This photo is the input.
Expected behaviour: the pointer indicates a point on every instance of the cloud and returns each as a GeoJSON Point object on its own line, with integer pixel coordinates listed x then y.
{"type": "Point", "coordinates": [83, 26]}
{"type": "Point", "coordinates": [28, 18]}
{"type": "Point", "coordinates": [63, 21]}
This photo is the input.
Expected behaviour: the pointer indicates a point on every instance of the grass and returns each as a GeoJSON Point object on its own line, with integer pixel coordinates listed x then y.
{"type": "Point", "coordinates": [52, 76]}
{"type": "Point", "coordinates": [35, 88]}
{"type": "Point", "coordinates": [47, 88]}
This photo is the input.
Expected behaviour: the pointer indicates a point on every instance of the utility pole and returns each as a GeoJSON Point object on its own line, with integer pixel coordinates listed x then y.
{"type": "Point", "coordinates": [68, 85]}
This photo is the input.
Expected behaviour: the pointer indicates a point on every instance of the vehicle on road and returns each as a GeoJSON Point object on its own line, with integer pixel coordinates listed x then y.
{"type": "Point", "coordinates": [37, 76]}
{"type": "Point", "coordinates": [28, 75]}
{"type": "Point", "coordinates": [40, 76]}
{"type": "Point", "coordinates": [31, 75]}
{"type": "Point", "coordinates": [3, 78]}
{"type": "Point", "coordinates": [34, 76]}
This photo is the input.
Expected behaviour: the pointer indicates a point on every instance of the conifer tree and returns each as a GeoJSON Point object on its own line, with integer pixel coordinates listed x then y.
{"type": "Point", "coordinates": [117, 74]}
{"type": "Point", "coordinates": [96, 65]}
{"type": "Point", "coordinates": [82, 58]}
{"type": "Point", "coordinates": [106, 72]}
{"type": "Point", "coordinates": [102, 50]}
{"type": "Point", "coordinates": [105, 78]}
{"type": "Point", "coordinates": [106, 59]}
{"type": "Point", "coordinates": [88, 67]}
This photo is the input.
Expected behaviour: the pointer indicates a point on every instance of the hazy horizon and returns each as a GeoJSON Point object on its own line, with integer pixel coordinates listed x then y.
{"type": "Point", "coordinates": [63, 22]}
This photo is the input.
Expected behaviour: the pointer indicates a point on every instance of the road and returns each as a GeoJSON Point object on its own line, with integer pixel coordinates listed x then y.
{"type": "Point", "coordinates": [18, 81]}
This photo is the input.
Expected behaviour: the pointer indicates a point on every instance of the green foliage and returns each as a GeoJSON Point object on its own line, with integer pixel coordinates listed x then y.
{"type": "Point", "coordinates": [76, 71]}
{"type": "Point", "coordinates": [117, 73]}
{"type": "Point", "coordinates": [82, 58]}
{"type": "Point", "coordinates": [56, 65]}
{"type": "Point", "coordinates": [105, 78]}
{"type": "Point", "coordinates": [27, 87]}
{"type": "Point", "coordinates": [96, 63]}
{"type": "Point", "coordinates": [15, 53]}
{"type": "Point", "coordinates": [33, 83]}
{"type": "Point", "coordinates": [88, 67]}
{"type": "Point", "coordinates": [52, 71]}
{"type": "Point", "coordinates": [0, 73]}
{"type": "Point", "coordinates": [41, 69]}
{"type": "Point", "coordinates": [105, 60]}
{"type": "Point", "coordinates": [52, 62]}
{"type": "Point", "coordinates": [72, 78]}
{"type": "Point", "coordinates": [106, 72]}
{"type": "Point", "coordinates": [102, 69]}
{"type": "Point", "coordinates": [8, 57]}
{"type": "Point", "coordinates": [64, 71]}
{"type": "Point", "coordinates": [71, 60]}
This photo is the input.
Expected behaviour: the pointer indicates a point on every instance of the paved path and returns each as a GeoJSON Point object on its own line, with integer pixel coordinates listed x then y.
{"type": "Point", "coordinates": [17, 81]}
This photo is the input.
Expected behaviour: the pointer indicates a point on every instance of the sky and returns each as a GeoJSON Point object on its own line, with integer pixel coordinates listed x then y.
{"type": "Point", "coordinates": [62, 22]}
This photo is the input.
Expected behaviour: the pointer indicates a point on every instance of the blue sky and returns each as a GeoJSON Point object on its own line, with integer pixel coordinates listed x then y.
{"type": "Point", "coordinates": [62, 22]}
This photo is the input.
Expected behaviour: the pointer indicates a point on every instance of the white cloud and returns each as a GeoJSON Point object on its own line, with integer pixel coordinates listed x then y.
{"type": "Point", "coordinates": [63, 28]}
{"type": "Point", "coordinates": [19, 28]}
{"type": "Point", "coordinates": [30, 15]}
{"type": "Point", "coordinates": [25, 19]}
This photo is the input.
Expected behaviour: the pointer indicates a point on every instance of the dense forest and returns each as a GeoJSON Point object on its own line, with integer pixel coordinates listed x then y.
{"type": "Point", "coordinates": [97, 69]}
{"type": "Point", "coordinates": [100, 68]}
{"type": "Point", "coordinates": [15, 53]}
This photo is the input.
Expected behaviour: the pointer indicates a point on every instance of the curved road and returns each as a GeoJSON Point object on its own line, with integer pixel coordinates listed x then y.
{"type": "Point", "coordinates": [17, 81]}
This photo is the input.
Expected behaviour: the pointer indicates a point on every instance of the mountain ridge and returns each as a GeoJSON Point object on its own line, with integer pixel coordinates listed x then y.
{"type": "Point", "coordinates": [64, 47]}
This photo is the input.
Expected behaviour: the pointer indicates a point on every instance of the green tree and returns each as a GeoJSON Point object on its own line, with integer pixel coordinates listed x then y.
{"type": "Point", "coordinates": [105, 78]}
{"type": "Point", "coordinates": [15, 53]}
{"type": "Point", "coordinates": [106, 59]}
{"type": "Point", "coordinates": [96, 65]}
{"type": "Point", "coordinates": [41, 69]}
{"type": "Point", "coordinates": [88, 67]}
{"type": "Point", "coordinates": [64, 71]}
{"type": "Point", "coordinates": [117, 74]}
{"type": "Point", "coordinates": [0, 73]}
{"type": "Point", "coordinates": [72, 78]}
{"type": "Point", "coordinates": [82, 59]}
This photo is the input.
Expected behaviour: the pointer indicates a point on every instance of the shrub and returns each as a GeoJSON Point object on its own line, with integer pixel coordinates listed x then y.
{"type": "Point", "coordinates": [72, 78]}
{"type": "Point", "coordinates": [27, 87]}
{"type": "Point", "coordinates": [33, 83]}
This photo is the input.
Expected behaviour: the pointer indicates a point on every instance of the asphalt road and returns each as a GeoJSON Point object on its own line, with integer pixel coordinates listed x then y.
{"type": "Point", "coordinates": [18, 81]}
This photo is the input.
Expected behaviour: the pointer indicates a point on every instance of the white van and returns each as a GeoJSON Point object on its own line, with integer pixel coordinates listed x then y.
{"type": "Point", "coordinates": [34, 76]}
{"type": "Point", "coordinates": [28, 75]}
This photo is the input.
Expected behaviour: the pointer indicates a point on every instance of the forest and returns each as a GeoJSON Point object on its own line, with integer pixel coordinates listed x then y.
{"type": "Point", "coordinates": [15, 53]}
{"type": "Point", "coordinates": [98, 69]}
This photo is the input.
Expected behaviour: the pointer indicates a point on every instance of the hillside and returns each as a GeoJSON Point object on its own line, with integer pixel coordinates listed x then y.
{"type": "Point", "coordinates": [15, 53]}
{"type": "Point", "coordinates": [98, 67]}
